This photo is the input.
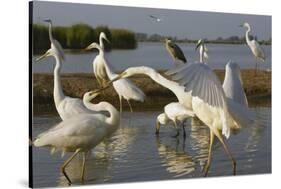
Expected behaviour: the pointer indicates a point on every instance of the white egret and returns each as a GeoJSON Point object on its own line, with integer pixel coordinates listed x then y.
{"type": "Point", "coordinates": [175, 51]}
{"type": "Point", "coordinates": [65, 105]}
{"type": "Point", "coordinates": [98, 66]}
{"type": "Point", "coordinates": [254, 45]}
{"type": "Point", "coordinates": [82, 132]}
{"type": "Point", "coordinates": [203, 51]}
{"type": "Point", "coordinates": [175, 112]}
{"type": "Point", "coordinates": [203, 94]}
{"type": "Point", "coordinates": [124, 87]}
{"type": "Point", "coordinates": [55, 45]}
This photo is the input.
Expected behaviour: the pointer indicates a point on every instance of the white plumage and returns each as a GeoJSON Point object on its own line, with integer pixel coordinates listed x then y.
{"type": "Point", "coordinates": [254, 45]}
{"type": "Point", "coordinates": [81, 132]}
{"type": "Point", "coordinates": [124, 87]}
{"type": "Point", "coordinates": [66, 106]}
{"type": "Point", "coordinates": [176, 113]}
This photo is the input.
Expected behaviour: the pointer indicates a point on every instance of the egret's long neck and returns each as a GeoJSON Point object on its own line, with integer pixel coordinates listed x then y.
{"type": "Point", "coordinates": [50, 32]}
{"type": "Point", "coordinates": [114, 117]}
{"type": "Point", "coordinates": [247, 35]}
{"type": "Point", "coordinates": [58, 92]}
{"type": "Point", "coordinates": [158, 78]}
{"type": "Point", "coordinates": [101, 43]}
{"type": "Point", "coordinates": [111, 75]}
{"type": "Point", "coordinates": [201, 50]}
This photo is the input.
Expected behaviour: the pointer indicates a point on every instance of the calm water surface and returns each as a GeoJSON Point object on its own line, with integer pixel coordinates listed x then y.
{"type": "Point", "coordinates": [156, 56]}
{"type": "Point", "coordinates": [134, 153]}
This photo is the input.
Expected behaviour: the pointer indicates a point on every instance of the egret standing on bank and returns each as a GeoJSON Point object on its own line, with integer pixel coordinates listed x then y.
{"type": "Point", "coordinates": [202, 51]}
{"type": "Point", "coordinates": [125, 88]}
{"type": "Point", "coordinates": [175, 51]}
{"type": "Point", "coordinates": [81, 133]}
{"type": "Point", "coordinates": [254, 45]}
{"type": "Point", "coordinates": [65, 105]}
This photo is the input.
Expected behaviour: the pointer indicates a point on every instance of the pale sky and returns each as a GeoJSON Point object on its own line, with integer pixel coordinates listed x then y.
{"type": "Point", "coordinates": [180, 23]}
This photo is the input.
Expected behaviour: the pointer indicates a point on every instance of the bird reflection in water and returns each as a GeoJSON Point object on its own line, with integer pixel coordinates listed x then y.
{"type": "Point", "coordinates": [174, 158]}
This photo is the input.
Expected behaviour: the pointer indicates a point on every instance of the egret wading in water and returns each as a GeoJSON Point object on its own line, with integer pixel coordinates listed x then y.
{"type": "Point", "coordinates": [202, 92]}
{"type": "Point", "coordinates": [175, 51]}
{"type": "Point", "coordinates": [66, 106]}
{"type": "Point", "coordinates": [175, 113]}
{"type": "Point", "coordinates": [81, 133]}
{"type": "Point", "coordinates": [125, 88]}
{"type": "Point", "coordinates": [254, 45]}
{"type": "Point", "coordinates": [203, 51]}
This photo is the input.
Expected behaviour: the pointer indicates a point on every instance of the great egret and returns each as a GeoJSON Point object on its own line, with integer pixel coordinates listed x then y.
{"type": "Point", "coordinates": [124, 87]}
{"type": "Point", "coordinates": [98, 66]}
{"type": "Point", "coordinates": [175, 51]}
{"type": "Point", "coordinates": [254, 45]}
{"type": "Point", "coordinates": [155, 18]}
{"type": "Point", "coordinates": [66, 106]}
{"type": "Point", "coordinates": [54, 43]}
{"type": "Point", "coordinates": [204, 95]}
{"type": "Point", "coordinates": [176, 113]}
{"type": "Point", "coordinates": [82, 132]}
{"type": "Point", "coordinates": [203, 51]}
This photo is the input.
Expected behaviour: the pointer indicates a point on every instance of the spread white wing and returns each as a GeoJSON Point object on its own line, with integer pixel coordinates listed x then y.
{"type": "Point", "coordinates": [202, 82]}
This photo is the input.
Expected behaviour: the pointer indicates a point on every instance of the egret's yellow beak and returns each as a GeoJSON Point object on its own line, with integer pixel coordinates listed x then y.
{"type": "Point", "coordinates": [157, 127]}
{"type": "Point", "coordinates": [89, 47]}
{"type": "Point", "coordinates": [95, 93]}
{"type": "Point", "coordinates": [120, 76]}
{"type": "Point", "coordinates": [107, 39]}
{"type": "Point", "coordinates": [43, 56]}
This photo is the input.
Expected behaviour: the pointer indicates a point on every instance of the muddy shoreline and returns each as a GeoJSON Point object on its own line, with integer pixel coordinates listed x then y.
{"type": "Point", "coordinates": [257, 88]}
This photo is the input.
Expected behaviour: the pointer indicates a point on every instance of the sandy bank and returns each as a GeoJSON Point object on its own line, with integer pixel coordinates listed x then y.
{"type": "Point", "coordinates": [257, 88]}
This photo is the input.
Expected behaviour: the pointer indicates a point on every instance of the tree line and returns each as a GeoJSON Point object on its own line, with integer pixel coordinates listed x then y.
{"type": "Point", "coordinates": [79, 36]}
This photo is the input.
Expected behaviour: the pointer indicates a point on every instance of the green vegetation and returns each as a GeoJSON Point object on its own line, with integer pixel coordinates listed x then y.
{"type": "Point", "coordinates": [143, 37]}
{"type": "Point", "coordinates": [80, 35]}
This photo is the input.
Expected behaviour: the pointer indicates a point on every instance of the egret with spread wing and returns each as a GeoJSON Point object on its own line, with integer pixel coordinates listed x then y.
{"type": "Point", "coordinates": [198, 89]}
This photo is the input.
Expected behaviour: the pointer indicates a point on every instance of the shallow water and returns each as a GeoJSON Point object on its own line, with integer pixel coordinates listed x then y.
{"type": "Point", "coordinates": [156, 56]}
{"type": "Point", "coordinates": [134, 153]}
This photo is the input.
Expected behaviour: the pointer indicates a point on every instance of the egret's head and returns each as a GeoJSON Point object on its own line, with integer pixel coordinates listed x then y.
{"type": "Point", "coordinates": [103, 36]}
{"type": "Point", "coordinates": [161, 119]}
{"type": "Point", "coordinates": [94, 45]}
{"type": "Point", "coordinates": [167, 40]}
{"type": "Point", "coordinates": [199, 43]}
{"type": "Point", "coordinates": [53, 51]}
{"type": "Point", "coordinates": [245, 25]}
{"type": "Point", "coordinates": [88, 96]}
{"type": "Point", "coordinates": [48, 21]}
{"type": "Point", "coordinates": [49, 52]}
